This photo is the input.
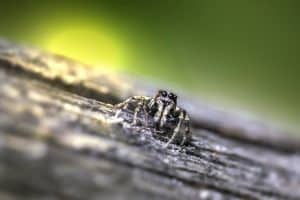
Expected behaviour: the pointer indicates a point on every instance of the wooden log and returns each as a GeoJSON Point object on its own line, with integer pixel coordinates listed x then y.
{"type": "Point", "coordinates": [59, 140]}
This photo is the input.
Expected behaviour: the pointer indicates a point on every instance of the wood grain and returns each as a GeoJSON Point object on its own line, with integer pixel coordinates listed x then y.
{"type": "Point", "coordinates": [59, 140]}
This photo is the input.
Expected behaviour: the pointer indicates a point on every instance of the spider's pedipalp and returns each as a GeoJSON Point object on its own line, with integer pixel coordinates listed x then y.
{"type": "Point", "coordinates": [167, 111]}
{"type": "Point", "coordinates": [158, 114]}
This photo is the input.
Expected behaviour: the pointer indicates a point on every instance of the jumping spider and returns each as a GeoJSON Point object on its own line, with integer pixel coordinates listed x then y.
{"type": "Point", "coordinates": [160, 113]}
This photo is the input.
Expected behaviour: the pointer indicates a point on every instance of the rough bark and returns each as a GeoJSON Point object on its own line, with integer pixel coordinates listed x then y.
{"type": "Point", "coordinates": [59, 140]}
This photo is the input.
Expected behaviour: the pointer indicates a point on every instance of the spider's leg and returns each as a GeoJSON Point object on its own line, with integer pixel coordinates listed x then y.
{"type": "Point", "coordinates": [186, 124]}
{"type": "Point", "coordinates": [177, 128]}
{"type": "Point", "coordinates": [119, 107]}
{"type": "Point", "coordinates": [138, 108]}
{"type": "Point", "coordinates": [123, 105]}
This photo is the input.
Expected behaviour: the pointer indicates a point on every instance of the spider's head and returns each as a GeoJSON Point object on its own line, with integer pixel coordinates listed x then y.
{"type": "Point", "coordinates": [166, 98]}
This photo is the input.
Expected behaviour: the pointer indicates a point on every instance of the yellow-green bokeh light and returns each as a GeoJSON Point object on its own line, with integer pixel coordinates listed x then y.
{"type": "Point", "coordinates": [87, 43]}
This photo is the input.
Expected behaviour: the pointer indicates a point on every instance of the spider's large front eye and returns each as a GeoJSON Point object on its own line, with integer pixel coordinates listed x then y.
{"type": "Point", "coordinates": [163, 93]}
{"type": "Point", "coordinates": [172, 96]}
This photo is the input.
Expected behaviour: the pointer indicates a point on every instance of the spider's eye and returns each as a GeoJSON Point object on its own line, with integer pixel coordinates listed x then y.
{"type": "Point", "coordinates": [163, 93]}
{"type": "Point", "coordinates": [172, 96]}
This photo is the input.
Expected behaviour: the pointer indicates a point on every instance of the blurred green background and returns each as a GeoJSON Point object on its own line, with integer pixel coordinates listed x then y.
{"type": "Point", "coordinates": [241, 54]}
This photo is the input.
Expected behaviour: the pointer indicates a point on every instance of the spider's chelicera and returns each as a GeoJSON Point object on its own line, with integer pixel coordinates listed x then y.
{"type": "Point", "coordinates": [160, 113]}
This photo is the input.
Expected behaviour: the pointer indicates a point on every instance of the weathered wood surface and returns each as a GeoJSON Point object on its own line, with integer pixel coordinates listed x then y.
{"type": "Point", "coordinates": [58, 140]}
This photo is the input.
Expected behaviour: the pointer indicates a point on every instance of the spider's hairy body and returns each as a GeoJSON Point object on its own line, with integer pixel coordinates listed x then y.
{"type": "Point", "coordinates": [160, 113]}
